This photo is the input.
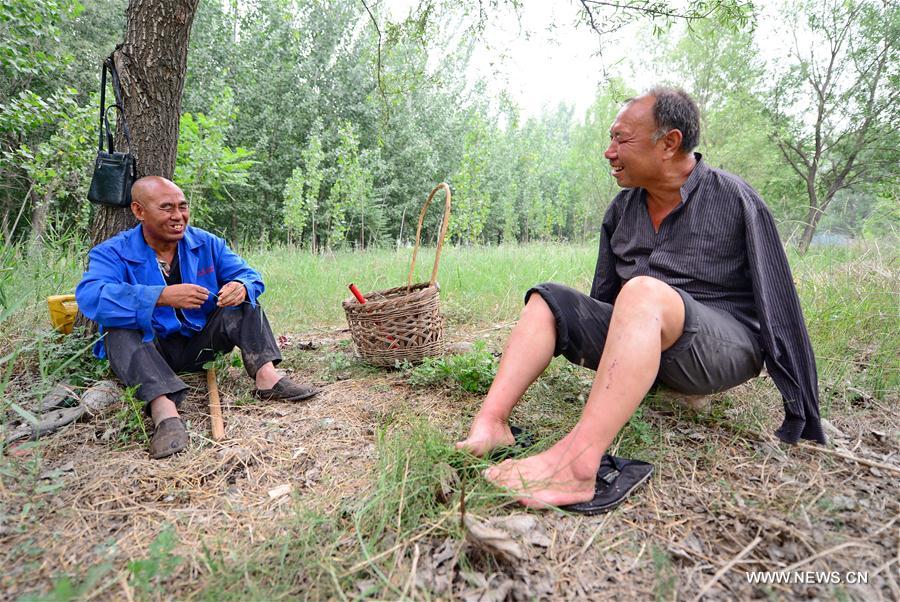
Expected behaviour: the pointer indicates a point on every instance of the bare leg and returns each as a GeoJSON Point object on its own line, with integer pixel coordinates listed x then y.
{"type": "Point", "coordinates": [648, 318]}
{"type": "Point", "coordinates": [161, 408]}
{"type": "Point", "coordinates": [267, 376]}
{"type": "Point", "coordinates": [528, 353]}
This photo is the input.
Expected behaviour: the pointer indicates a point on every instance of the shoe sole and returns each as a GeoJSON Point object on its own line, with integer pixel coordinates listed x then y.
{"type": "Point", "coordinates": [168, 452]}
{"type": "Point", "coordinates": [296, 398]}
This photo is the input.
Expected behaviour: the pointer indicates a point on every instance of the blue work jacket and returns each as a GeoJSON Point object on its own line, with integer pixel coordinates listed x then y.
{"type": "Point", "coordinates": [123, 282]}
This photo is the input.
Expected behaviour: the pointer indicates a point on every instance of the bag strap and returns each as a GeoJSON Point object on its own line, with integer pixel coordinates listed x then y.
{"type": "Point", "coordinates": [109, 65]}
{"type": "Point", "coordinates": [103, 109]}
{"type": "Point", "coordinates": [117, 90]}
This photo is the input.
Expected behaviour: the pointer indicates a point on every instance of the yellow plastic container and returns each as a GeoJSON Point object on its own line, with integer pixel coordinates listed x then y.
{"type": "Point", "coordinates": [62, 312]}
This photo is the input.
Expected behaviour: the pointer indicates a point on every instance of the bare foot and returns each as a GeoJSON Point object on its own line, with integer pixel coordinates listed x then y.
{"type": "Point", "coordinates": [486, 433]}
{"type": "Point", "coordinates": [564, 474]}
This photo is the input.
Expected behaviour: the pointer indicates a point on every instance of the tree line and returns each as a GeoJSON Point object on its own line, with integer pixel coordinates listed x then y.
{"type": "Point", "coordinates": [324, 124]}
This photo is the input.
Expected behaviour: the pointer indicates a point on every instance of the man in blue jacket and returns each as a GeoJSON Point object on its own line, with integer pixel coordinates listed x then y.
{"type": "Point", "coordinates": [168, 297]}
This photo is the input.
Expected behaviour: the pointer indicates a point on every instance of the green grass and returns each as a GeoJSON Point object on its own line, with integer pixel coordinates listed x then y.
{"type": "Point", "coordinates": [849, 296]}
{"type": "Point", "coordinates": [852, 307]}
{"type": "Point", "coordinates": [849, 299]}
{"type": "Point", "coordinates": [478, 284]}
{"type": "Point", "coordinates": [473, 372]}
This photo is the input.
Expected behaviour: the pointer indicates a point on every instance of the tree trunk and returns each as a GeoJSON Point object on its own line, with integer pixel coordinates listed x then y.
{"type": "Point", "coordinates": [812, 222]}
{"type": "Point", "coordinates": [151, 65]}
{"type": "Point", "coordinates": [39, 211]}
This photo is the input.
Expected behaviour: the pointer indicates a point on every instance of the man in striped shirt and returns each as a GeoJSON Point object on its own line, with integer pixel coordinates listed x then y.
{"type": "Point", "coordinates": [692, 289]}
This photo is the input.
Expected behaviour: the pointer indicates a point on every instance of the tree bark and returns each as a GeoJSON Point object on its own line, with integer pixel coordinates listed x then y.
{"type": "Point", "coordinates": [151, 64]}
{"type": "Point", "coordinates": [812, 222]}
{"type": "Point", "coordinates": [40, 209]}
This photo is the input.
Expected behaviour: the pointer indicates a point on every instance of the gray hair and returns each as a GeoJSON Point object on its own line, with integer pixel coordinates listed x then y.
{"type": "Point", "coordinates": [674, 109]}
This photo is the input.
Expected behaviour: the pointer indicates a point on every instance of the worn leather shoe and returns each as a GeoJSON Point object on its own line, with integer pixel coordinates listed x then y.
{"type": "Point", "coordinates": [286, 390]}
{"type": "Point", "coordinates": [169, 437]}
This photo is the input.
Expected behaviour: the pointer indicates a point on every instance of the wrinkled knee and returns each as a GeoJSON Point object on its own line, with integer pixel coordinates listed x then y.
{"type": "Point", "coordinates": [121, 341]}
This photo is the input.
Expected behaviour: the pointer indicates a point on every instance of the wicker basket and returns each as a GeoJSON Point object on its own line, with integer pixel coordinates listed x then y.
{"type": "Point", "coordinates": [403, 323]}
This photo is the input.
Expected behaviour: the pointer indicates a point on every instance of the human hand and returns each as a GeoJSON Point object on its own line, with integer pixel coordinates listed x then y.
{"type": "Point", "coordinates": [233, 293]}
{"type": "Point", "coordinates": [183, 296]}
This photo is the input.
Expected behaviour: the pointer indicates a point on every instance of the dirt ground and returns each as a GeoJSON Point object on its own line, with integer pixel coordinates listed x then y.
{"type": "Point", "coordinates": [722, 502]}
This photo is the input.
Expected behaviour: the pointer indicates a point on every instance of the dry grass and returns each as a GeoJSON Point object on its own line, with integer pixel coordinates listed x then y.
{"type": "Point", "coordinates": [725, 499]}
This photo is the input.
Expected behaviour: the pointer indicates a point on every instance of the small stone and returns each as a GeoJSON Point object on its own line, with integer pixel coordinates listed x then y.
{"type": "Point", "coordinates": [100, 396]}
{"type": "Point", "coordinates": [60, 396]}
{"type": "Point", "coordinates": [843, 502]}
{"type": "Point", "coordinates": [460, 348]}
{"type": "Point", "coordinates": [280, 491]}
{"type": "Point", "coordinates": [832, 430]}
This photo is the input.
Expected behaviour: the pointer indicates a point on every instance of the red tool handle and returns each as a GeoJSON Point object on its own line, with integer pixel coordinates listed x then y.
{"type": "Point", "coordinates": [357, 294]}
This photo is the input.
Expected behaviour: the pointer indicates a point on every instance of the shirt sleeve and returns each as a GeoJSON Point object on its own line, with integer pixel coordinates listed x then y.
{"type": "Point", "coordinates": [231, 267]}
{"type": "Point", "coordinates": [105, 297]}
{"type": "Point", "coordinates": [789, 354]}
{"type": "Point", "coordinates": [606, 283]}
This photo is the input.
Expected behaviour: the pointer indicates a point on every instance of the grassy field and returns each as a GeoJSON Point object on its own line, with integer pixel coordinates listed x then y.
{"type": "Point", "coordinates": [478, 284]}
{"type": "Point", "coordinates": [376, 490]}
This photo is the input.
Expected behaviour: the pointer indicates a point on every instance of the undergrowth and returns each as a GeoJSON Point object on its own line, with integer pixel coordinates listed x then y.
{"type": "Point", "coordinates": [131, 419]}
{"type": "Point", "coordinates": [473, 371]}
{"type": "Point", "coordinates": [418, 483]}
{"type": "Point", "coordinates": [849, 301]}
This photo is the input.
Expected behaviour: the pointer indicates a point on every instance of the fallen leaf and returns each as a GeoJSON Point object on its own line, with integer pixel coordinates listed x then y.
{"type": "Point", "coordinates": [280, 491]}
{"type": "Point", "coordinates": [525, 525]}
{"type": "Point", "coordinates": [497, 542]}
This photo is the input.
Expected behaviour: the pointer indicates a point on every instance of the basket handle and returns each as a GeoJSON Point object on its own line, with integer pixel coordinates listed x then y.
{"type": "Point", "coordinates": [445, 223]}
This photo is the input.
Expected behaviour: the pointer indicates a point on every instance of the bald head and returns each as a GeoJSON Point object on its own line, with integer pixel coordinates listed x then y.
{"type": "Point", "coordinates": [148, 188]}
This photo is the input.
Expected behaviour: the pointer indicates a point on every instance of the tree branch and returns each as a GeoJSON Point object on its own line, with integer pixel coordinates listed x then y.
{"type": "Point", "coordinates": [387, 107]}
{"type": "Point", "coordinates": [654, 10]}
{"type": "Point", "coordinates": [791, 162]}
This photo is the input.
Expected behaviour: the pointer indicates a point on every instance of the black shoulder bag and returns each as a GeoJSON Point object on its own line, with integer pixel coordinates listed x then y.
{"type": "Point", "coordinates": [114, 172]}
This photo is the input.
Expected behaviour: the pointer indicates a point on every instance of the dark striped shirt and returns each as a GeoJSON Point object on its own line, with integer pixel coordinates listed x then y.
{"type": "Point", "coordinates": [721, 247]}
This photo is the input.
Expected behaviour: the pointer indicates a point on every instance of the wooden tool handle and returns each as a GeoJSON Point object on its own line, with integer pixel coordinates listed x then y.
{"type": "Point", "coordinates": [215, 408]}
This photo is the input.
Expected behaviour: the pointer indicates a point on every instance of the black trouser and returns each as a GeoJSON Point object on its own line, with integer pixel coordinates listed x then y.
{"type": "Point", "coordinates": [152, 365]}
{"type": "Point", "coordinates": [715, 352]}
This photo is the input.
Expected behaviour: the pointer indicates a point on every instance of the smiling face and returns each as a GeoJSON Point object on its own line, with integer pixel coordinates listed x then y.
{"type": "Point", "coordinates": [636, 160]}
{"type": "Point", "coordinates": [162, 209]}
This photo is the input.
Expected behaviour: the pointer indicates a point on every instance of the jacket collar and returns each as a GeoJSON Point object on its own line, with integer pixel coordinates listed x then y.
{"type": "Point", "coordinates": [137, 250]}
{"type": "Point", "coordinates": [693, 180]}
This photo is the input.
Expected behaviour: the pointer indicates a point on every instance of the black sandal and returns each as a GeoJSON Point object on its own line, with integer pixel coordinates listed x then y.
{"type": "Point", "coordinates": [523, 442]}
{"type": "Point", "coordinates": [616, 479]}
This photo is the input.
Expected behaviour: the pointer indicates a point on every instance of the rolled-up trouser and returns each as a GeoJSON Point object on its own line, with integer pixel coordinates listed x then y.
{"type": "Point", "coordinates": [715, 352]}
{"type": "Point", "coordinates": [152, 365]}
